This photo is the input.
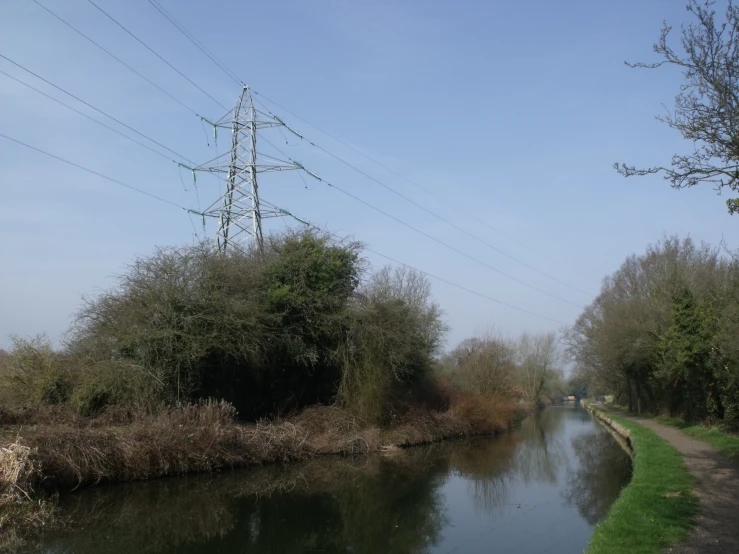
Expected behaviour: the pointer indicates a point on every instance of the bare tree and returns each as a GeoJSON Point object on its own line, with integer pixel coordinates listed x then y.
{"type": "Point", "coordinates": [706, 109]}
{"type": "Point", "coordinates": [539, 360]}
{"type": "Point", "coordinates": [483, 364]}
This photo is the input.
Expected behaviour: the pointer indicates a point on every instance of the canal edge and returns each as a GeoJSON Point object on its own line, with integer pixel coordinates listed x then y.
{"type": "Point", "coordinates": [618, 431]}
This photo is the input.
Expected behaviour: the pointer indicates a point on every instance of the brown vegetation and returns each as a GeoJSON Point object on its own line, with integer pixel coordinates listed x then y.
{"type": "Point", "coordinates": [67, 454]}
{"type": "Point", "coordinates": [206, 437]}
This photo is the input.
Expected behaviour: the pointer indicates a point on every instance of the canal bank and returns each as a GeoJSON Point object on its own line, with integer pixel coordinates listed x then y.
{"type": "Point", "coordinates": [656, 510]}
{"type": "Point", "coordinates": [543, 486]}
{"type": "Point", "coordinates": [46, 453]}
{"type": "Point", "coordinates": [716, 486]}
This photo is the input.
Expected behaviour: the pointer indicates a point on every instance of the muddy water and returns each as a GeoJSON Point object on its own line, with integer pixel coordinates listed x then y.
{"type": "Point", "coordinates": [540, 489]}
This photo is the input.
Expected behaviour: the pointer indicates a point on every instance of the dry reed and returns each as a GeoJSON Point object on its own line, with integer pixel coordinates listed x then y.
{"type": "Point", "coordinates": [207, 437]}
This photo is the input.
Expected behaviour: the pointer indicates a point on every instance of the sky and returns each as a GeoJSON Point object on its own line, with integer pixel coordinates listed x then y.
{"type": "Point", "coordinates": [510, 113]}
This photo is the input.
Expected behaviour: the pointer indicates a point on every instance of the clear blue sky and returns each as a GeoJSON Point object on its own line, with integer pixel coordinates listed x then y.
{"type": "Point", "coordinates": [515, 111]}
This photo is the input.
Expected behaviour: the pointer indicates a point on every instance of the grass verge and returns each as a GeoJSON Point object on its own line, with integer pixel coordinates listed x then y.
{"type": "Point", "coordinates": [725, 443]}
{"type": "Point", "coordinates": [656, 509]}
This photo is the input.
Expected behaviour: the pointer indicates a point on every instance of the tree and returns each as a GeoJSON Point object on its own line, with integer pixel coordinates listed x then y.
{"type": "Point", "coordinates": [706, 109]}
{"type": "Point", "coordinates": [662, 333]}
{"type": "Point", "coordinates": [686, 359]}
{"type": "Point", "coordinates": [395, 331]}
{"type": "Point", "coordinates": [485, 365]}
{"type": "Point", "coordinates": [538, 363]}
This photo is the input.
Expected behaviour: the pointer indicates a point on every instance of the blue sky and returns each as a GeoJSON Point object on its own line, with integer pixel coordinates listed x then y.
{"type": "Point", "coordinates": [513, 111]}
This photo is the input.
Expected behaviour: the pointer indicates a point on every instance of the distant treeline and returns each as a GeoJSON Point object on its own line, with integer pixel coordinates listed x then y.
{"type": "Point", "coordinates": [663, 334]}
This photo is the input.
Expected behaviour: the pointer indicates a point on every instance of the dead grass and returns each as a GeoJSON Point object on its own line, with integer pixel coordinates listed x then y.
{"type": "Point", "coordinates": [484, 412]}
{"type": "Point", "coordinates": [21, 512]}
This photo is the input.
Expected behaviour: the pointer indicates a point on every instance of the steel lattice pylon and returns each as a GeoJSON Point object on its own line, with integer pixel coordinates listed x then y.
{"type": "Point", "coordinates": [239, 210]}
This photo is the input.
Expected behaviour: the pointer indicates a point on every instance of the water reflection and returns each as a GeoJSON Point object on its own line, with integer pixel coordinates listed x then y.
{"type": "Point", "coordinates": [454, 496]}
{"type": "Point", "coordinates": [543, 452]}
{"type": "Point", "coordinates": [603, 469]}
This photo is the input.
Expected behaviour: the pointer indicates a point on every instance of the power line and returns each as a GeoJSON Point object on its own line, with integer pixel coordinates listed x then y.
{"type": "Point", "coordinates": [83, 114]}
{"type": "Point", "coordinates": [235, 78]}
{"type": "Point", "coordinates": [94, 108]}
{"type": "Point", "coordinates": [449, 246]}
{"type": "Point", "coordinates": [424, 233]}
{"type": "Point", "coordinates": [431, 212]}
{"type": "Point", "coordinates": [406, 179]}
{"type": "Point", "coordinates": [182, 29]}
{"type": "Point", "coordinates": [431, 275]}
{"type": "Point", "coordinates": [116, 58]}
{"type": "Point", "coordinates": [150, 49]}
{"type": "Point", "coordinates": [436, 277]}
{"type": "Point", "coordinates": [230, 74]}
{"type": "Point", "coordinates": [462, 287]}
{"type": "Point", "coordinates": [111, 179]}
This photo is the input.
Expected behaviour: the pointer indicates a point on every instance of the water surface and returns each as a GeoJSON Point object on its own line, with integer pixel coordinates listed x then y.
{"type": "Point", "coordinates": [540, 489]}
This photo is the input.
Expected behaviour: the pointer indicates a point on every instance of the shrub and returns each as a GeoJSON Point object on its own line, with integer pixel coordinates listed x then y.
{"type": "Point", "coordinates": [106, 385]}
{"type": "Point", "coordinates": [394, 334]}
{"type": "Point", "coordinates": [258, 329]}
{"type": "Point", "coordinates": [483, 412]}
{"type": "Point", "coordinates": [33, 373]}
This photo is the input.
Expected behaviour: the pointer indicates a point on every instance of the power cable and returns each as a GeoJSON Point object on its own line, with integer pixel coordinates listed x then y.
{"type": "Point", "coordinates": [112, 180]}
{"type": "Point", "coordinates": [195, 41]}
{"type": "Point", "coordinates": [419, 231]}
{"type": "Point", "coordinates": [150, 49]}
{"type": "Point", "coordinates": [409, 181]}
{"type": "Point", "coordinates": [116, 58]}
{"type": "Point", "coordinates": [233, 76]}
{"type": "Point", "coordinates": [462, 287]}
{"type": "Point", "coordinates": [431, 212]}
{"type": "Point", "coordinates": [83, 114]}
{"type": "Point", "coordinates": [436, 277]}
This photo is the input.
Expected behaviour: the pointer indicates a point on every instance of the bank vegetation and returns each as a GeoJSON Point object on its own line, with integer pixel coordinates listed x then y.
{"type": "Point", "coordinates": [661, 335]}
{"type": "Point", "coordinates": [198, 361]}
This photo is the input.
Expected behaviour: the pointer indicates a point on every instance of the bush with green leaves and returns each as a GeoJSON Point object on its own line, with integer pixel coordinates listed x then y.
{"type": "Point", "coordinates": [270, 331]}
{"type": "Point", "coordinates": [259, 329]}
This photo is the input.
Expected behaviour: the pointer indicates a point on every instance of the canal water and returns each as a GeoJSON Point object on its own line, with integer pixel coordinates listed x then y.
{"type": "Point", "coordinates": [541, 489]}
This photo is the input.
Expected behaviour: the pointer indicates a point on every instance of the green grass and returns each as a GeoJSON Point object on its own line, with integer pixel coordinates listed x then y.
{"type": "Point", "coordinates": [725, 443]}
{"type": "Point", "coordinates": [656, 509]}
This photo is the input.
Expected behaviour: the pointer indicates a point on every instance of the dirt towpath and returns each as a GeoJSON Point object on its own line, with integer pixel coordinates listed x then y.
{"type": "Point", "coordinates": [717, 526]}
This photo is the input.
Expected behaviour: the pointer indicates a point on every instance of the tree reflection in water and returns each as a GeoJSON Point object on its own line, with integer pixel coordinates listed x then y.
{"type": "Point", "coordinates": [327, 505]}
{"type": "Point", "coordinates": [486, 465]}
{"type": "Point", "coordinates": [394, 504]}
{"type": "Point", "coordinates": [604, 469]}
{"type": "Point", "coordinates": [543, 451]}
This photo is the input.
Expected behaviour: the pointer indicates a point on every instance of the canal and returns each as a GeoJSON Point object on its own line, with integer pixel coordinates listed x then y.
{"type": "Point", "coordinates": [540, 489]}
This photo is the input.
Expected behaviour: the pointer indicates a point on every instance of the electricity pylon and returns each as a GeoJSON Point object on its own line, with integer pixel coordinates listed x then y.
{"type": "Point", "coordinates": [240, 211]}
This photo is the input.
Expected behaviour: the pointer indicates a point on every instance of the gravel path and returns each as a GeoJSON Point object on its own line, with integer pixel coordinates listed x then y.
{"type": "Point", "coordinates": [717, 527]}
